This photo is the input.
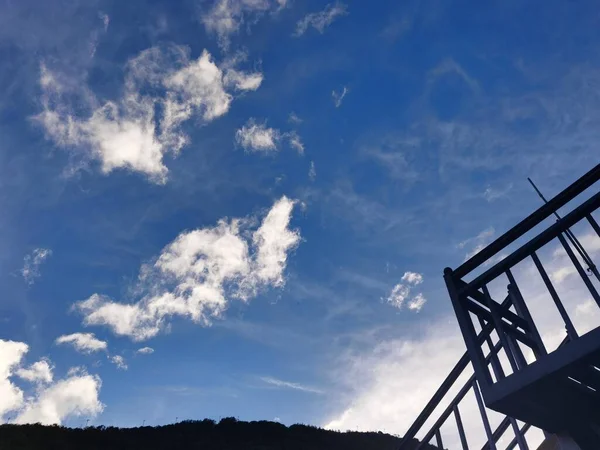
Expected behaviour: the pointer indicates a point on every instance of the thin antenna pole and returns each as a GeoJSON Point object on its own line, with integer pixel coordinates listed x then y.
{"type": "Point", "coordinates": [572, 238]}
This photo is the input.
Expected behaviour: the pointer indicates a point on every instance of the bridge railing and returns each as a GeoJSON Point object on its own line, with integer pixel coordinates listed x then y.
{"type": "Point", "coordinates": [496, 333]}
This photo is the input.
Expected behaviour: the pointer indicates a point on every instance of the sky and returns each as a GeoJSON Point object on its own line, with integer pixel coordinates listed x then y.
{"type": "Point", "coordinates": [217, 208]}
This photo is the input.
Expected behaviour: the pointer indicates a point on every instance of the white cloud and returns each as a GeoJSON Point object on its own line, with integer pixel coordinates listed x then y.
{"type": "Point", "coordinates": [312, 171]}
{"type": "Point", "coordinates": [119, 361]}
{"type": "Point", "coordinates": [127, 134]}
{"type": "Point", "coordinates": [256, 137]}
{"type": "Point", "coordinates": [338, 98]}
{"type": "Point", "coordinates": [322, 19]}
{"type": "Point", "coordinates": [75, 395]}
{"type": "Point", "coordinates": [398, 294]}
{"type": "Point", "coordinates": [11, 354]}
{"type": "Point", "coordinates": [417, 302]}
{"type": "Point", "coordinates": [83, 342]}
{"type": "Point", "coordinates": [145, 350]}
{"type": "Point", "coordinates": [289, 385]}
{"type": "Point", "coordinates": [32, 262]}
{"type": "Point", "coordinates": [478, 242]}
{"type": "Point", "coordinates": [39, 372]}
{"type": "Point", "coordinates": [412, 278]}
{"type": "Point", "coordinates": [198, 273]}
{"type": "Point", "coordinates": [226, 17]}
{"type": "Point", "coordinates": [402, 291]}
{"type": "Point", "coordinates": [296, 142]}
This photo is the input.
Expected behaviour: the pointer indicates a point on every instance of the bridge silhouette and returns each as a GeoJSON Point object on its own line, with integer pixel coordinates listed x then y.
{"type": "Point", "coordinates": [514, 370]}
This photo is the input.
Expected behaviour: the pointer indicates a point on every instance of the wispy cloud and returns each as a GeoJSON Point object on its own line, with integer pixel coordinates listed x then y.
{"type": "Point", "coordinates": [312, 171]}
{"type": "Point", "coordinates": [294, 119]}
{"type": "Point", "coordinates": [490, 194]}
{"type": "Point", "coordinates": [119, 361]}
{"type": "Point", "coordinates": [226, 17]}
{"type": "Point", "coordinates": [322, 19]}
{"type": "Point", "coordinates": [289, 385]}
{"type": "Point", "coordinates": [295, 142]}
{"type": "Point", "coordinates": [32, 262]}
{"type": "Point", "coordinates": [478, 242]}
{"type": "Point", "coordinates": [339, 97]}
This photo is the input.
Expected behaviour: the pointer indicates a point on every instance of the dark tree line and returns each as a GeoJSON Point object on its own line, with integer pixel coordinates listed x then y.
{"type": "Point", "coordinates": [228, 434]}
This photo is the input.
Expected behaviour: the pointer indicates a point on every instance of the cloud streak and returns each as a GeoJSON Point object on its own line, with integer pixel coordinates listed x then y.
{"type": "Point", "coordinates": [289, 385]}
{"type": "Point", "coordinates": [320, 20]}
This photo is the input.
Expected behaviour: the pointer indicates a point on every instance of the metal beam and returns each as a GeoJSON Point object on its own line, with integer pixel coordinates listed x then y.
{"type": "Point", "coordinates": [531, 221]}
{"type": "Point", "coordinates": [534, 244]}
{"type": "Point", "coordinates": [461, 365]}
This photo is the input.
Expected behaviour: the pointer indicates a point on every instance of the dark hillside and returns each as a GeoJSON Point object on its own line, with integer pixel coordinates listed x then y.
{"type": "Point", "coordinates": [228, 434]}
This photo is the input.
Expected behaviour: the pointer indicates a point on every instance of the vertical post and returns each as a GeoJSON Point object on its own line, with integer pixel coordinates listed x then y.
{"type": "Point", "coordinates": [517, 352]}
{"type": "Point", "coordinates": [523, 311]}
{"type": "Point", "coordinates": [580, 269]}
{"type": "Point", "coordinates": [461, 430]}
{"type": "Point", "coordinates": [496, 366]}
{"type": "Point", "coordinates": [484, 417]}
{"type": "Point", "coordinates": [438, 439]}
{"type": "Point", "coordinates": [594, 224]}
{"type": "Point", "coordinates": [499, 329]}
{"type": "Point", "coordinates": [571, 332]}
{"type": "Point", "coordinates": [468, 331]}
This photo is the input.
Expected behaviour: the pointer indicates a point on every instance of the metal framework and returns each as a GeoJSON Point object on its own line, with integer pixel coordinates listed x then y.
{"type": "Point", "coordinates": [557, 391]}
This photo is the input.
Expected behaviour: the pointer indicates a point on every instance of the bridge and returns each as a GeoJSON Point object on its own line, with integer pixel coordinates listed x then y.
{"type": "Point", "coordinates": [511, 369]}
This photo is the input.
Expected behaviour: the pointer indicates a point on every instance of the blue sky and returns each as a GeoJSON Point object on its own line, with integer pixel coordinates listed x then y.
{"type": "Point", "coordinates": [265, 193]}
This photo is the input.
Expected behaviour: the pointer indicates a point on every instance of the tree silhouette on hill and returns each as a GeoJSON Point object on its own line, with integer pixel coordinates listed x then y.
{"type": "Point", "coordinates": [228, 434]}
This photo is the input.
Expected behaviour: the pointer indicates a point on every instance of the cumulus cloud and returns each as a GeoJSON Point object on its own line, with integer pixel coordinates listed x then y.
{"type": "Point", "coordinates": [412, 278]}
{"type": "Point", "coordinates": [417, 302]}
{"type": "Point", "coordinates": [32, 262]}
{"type": "Point", "coordinates": [226, 17]}
{"type": "Point", "coordinates": [339, 97]}
{"type": "Point", "coordinates": [402, 291]}
{"type": "Point", "coordinates": [197, 274]}
{"type": "Point", "coordinates": [119, 361]}
{"type": "Point", "coordinates": [257, 137]}
{"type": "Point", "coordinates": [163, 89]}
{"type": "Point", "coordinates": [39, 372]}
{"type": "Point", "coordinates": [49, 403]}
{"type": "Point", "coordinates": [322, 19]}
{"type": "Point", "coordinates": [83, 342]}
{"type": "Point", "coordinates": [289, 385]}
{"type": "Point", "coordinates": [145, 351]}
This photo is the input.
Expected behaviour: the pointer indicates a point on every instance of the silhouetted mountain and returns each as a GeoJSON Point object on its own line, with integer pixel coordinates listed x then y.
{"type": "Point", "coordinates": [228, 434]}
